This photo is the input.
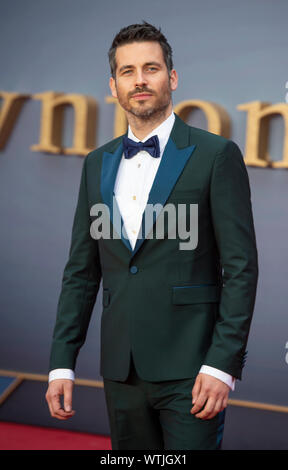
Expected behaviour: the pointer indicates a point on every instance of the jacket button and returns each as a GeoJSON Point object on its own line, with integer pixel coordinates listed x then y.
{"type": "Point", "coordinates": [133, 269]}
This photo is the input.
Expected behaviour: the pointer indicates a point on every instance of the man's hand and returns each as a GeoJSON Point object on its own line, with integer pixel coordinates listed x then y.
{"type": "Point", "coordinates": [211, 392]}
{"type": "Point", "coordinates": [56, 389]}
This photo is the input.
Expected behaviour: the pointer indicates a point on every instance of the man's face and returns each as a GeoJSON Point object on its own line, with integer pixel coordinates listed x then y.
{"type": "Point", "coordinates": [142, 83]}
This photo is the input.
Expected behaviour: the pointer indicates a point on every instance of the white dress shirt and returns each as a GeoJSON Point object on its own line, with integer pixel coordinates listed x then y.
{"type": "Point", "coordinates": [132, 186]}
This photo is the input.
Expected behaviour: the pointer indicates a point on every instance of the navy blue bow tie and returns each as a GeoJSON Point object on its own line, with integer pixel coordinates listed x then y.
{"type": "Point", "coordinates": [151, 145]}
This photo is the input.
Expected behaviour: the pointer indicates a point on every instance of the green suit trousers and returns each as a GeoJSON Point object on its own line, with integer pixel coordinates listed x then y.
{"type": "Point", "coordinates": [156, 415]}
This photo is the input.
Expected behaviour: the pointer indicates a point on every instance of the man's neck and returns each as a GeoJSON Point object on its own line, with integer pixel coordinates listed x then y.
{"type": "Point", "coordinates": [142, 127]}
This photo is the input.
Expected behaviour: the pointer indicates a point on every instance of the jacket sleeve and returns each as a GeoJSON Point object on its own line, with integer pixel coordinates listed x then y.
{"type": "Point", "coordinates": [230, 200]}
{"type": "Point", "coordinates": [80, 285]}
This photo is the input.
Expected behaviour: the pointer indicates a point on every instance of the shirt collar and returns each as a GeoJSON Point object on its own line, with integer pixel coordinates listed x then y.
{"type": "Point", "coordinates": [163, 132]}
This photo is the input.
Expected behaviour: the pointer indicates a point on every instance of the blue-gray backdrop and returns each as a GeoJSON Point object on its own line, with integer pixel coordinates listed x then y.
{"type": "Point", "coordinates": [225, 51]}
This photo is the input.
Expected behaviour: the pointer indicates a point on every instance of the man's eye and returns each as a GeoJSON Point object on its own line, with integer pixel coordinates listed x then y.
{"type": "Point", "coordinates": [126, 72]}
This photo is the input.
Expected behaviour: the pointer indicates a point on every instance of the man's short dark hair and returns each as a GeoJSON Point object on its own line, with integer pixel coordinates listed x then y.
{"type": "Point", "coordinates": [140, 33]}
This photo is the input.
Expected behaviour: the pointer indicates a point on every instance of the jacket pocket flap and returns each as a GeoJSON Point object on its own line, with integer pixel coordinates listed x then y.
{"type": "Point", "coordinates": [195, 294]}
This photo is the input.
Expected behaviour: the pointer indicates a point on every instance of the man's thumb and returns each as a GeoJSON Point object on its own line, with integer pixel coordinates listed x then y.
{"type": "Point", "coordinates": [68, 397]}
{"type": "Point", "coordinates": [196, 389]}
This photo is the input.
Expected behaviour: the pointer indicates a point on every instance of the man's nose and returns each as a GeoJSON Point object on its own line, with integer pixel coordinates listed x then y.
{"type": "Point", "coordinates": [140, 78]}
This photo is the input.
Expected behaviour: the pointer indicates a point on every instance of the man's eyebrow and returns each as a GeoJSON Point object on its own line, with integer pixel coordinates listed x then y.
{"type": "Point", "coordinates": [153, 63]}
{"type": "Point", "coordinates": [124, 67]}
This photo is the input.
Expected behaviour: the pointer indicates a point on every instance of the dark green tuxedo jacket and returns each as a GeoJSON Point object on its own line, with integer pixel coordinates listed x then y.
{"type": "Point", "coordinates": [174, 309]}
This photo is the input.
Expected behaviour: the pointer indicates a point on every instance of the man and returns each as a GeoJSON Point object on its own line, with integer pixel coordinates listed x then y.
{"type": "Point", "coordinates": [175, 322]}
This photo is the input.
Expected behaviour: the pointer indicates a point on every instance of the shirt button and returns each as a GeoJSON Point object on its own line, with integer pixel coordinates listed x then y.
{"type": "Point", "coordinates": [133, 269]}
{"type": "Point", "coordinates": [134, 197]}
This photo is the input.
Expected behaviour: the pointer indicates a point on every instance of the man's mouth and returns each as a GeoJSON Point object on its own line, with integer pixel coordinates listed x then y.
{"type": "Point", "coordinates": [141, 96]}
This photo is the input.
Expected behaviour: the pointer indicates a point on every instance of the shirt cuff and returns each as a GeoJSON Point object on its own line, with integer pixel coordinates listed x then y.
{"type": "Point", "coordinates": [219, 374]}
{"type": "Point", "coordinates": [61, 374]}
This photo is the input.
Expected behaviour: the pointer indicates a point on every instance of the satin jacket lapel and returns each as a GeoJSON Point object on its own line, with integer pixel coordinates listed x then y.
{"type": "Point", "coordinates": [176, 154]}
{"type": "Point", "coordinates": [110, 165]}
{"type": "Point", "coordinates": [171, 166]}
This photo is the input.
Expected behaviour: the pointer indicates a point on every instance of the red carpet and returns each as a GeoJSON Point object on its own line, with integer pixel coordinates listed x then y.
{"type": "Point", "coordinates": [21, 437]}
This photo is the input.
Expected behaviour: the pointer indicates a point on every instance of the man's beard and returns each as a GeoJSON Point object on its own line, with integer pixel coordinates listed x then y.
{"type": "Point", "coordinates": [148, 113]}
{"type": "Point", "coordinates": [151, 111]}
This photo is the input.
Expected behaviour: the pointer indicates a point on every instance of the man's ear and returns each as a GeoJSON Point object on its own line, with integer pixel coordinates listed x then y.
{"type": "Point", "coordinates": [112, 85]}
{"type": "Point", "coordinates": [173, 79]}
